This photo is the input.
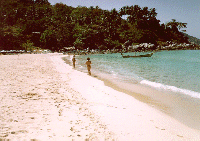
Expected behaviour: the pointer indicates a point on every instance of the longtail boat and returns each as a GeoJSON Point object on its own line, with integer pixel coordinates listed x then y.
{"type": "Point", "coordinates": [144, 55]}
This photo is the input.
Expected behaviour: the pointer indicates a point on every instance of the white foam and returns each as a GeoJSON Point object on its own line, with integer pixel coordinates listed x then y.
{"type": "Point", "coordinates": [171, 88]}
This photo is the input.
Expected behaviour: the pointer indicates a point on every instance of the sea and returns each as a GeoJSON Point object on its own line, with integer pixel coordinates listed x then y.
{"type": "Point", "coordinates": [169, 80]}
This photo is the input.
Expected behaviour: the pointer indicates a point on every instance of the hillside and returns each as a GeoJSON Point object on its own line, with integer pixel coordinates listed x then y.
{"type": "Point", "coordinates": [38, 24]}
{"type": "Point", "coordinates": [192, 39]}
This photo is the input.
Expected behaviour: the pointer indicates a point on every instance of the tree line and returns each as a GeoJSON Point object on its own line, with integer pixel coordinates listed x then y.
{"type": "Point", "coordinates": [36, 23]}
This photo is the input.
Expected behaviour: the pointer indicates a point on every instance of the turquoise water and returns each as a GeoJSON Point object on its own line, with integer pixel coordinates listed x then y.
{"type": "Point", "coordinates": [176, 71]}
{"type": "Point", "coordinates": [170, 80]}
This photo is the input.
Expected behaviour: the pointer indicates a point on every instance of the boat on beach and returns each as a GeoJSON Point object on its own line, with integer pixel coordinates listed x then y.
{"type": "Point", "coordinates": [130, 56]}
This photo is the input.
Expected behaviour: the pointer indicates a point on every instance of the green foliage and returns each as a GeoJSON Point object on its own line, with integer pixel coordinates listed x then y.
{"type": "Point", "coordinates": [28, 46]}
{"type": "Point", "coordinates": [175, 26]}
{"type": "Point", "coordinates": [11, 37]}
{"type": "Point", "coordinates": [25, 23]}
{"type": "Point", "coordinates": [79, 44]}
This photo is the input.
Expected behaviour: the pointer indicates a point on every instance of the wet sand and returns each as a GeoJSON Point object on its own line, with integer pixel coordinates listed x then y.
{"type": "Point", "coordinates": [43, 98]}
{"type": "Point", "coordinates": [184, 108]}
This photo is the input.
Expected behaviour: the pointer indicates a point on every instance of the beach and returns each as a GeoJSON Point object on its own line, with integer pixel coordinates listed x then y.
{"type": "Point", "coordinates": [43, 98]}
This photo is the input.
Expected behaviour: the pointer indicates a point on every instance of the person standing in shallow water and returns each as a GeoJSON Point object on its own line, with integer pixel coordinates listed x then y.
{"type": "Point", "coordinates": [74, 60]}
{"type": "Point", "coordinates": [88, 63]}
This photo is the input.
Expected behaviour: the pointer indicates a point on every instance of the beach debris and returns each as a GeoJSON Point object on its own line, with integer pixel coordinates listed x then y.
{"type": "Point", "coordinates": [60, 112]}
{"type": "Point", "coordinates": [13, 132]}
{"type": "Point", "coordinates": [71, 129]}
{"type": "Point", "coordinates": [30, 96]}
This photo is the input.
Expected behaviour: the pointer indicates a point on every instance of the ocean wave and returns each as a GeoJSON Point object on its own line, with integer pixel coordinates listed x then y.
{"type": "Point", "coordinates": [171, 88]}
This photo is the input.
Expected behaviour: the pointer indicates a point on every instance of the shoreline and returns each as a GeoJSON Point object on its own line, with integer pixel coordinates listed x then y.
{"type": "Point", "coordinates": [53, 101]}
{"type": "Point", "coordinates": [181, 107]}
{"type": "Point", "coordinates": [173, 104]}
{"type": "Point", "coordinates": [142, 100]}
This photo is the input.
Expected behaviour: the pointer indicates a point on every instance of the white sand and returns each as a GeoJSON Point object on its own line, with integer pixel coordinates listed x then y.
{"type": "Point", "coordinates": [43, 98]}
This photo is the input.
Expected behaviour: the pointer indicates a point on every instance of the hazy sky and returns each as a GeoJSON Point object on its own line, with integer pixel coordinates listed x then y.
{"type": "Point", "coordinates": [186, 11]}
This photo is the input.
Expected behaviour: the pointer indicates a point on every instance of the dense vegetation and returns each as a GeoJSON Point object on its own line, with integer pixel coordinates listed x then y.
{"type": "Point", "coordinates": [28, 23]}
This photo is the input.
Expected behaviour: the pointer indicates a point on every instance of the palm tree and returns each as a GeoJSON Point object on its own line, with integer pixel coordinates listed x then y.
{"type": "Point", "coordinates": [176, 26]}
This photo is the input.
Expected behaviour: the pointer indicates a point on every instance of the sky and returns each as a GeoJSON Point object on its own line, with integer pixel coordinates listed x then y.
{"type": "Point", "coordinates": [185, 11]}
